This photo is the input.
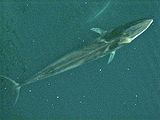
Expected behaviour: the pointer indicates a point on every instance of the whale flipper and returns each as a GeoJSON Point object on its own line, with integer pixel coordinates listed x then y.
{"type": "Point", "coordinates": [98, 30]}
{"type": "Point", "coordinates": [112, 54]}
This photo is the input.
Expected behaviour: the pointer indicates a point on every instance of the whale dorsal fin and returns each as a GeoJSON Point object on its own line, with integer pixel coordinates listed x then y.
{"type": "Point", "coordinates": [98, 30]}
{"type": "Point", "coordinates": [112, 54]}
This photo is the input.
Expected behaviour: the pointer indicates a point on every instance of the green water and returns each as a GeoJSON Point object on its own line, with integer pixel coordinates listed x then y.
{"type": "Point", "coordinates": [34, 34]}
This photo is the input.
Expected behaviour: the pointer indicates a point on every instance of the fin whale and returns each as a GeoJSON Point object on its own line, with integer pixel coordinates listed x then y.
{"type": "Point", "coordinates": [106, 44]}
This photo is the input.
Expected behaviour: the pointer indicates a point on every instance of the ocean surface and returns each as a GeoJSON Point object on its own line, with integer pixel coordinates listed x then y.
{"type": "Point", "coordinates": [34, 34]}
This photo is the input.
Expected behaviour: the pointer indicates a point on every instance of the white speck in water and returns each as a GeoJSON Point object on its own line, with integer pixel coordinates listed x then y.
{"type": "Point", "coordinates": [136, 95]}
{"type": "Point", "coordinates": [33, 41]}
{"type": "Point", "coordinates": [71, 73]}
{"type": "Point", "coordinates": [80, 102]}
{"type": "Point", "coordinates": [30, 90]}
{"type": "Point", "coordinates": [5, 88]}
{"type": "Point", "coordinates": [57, 97]}
{"type": "Point", "coordinates": [124, 103]}
{"type": "Point", "coordinates": [134, 48]}
{"type": "Point", "coordinates": [128, 68]}
{"type": "Point", "coordinates": [49, 84]}
{"type": "Point", "coordinates": [27, 5]}
{"type": "Point", "coordinates": [52, 105]}
{"type": "Point", "coordinates": [100, 70]}
{"type": "Point", "coordinates": [85, 2]}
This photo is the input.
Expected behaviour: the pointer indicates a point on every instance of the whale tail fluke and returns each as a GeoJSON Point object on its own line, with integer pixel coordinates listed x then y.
{"type": "Point", "coordinates": [10, 89]}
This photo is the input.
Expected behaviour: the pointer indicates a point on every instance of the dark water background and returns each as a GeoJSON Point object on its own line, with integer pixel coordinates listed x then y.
{"type": "Point", "coordinates": [34, 33]}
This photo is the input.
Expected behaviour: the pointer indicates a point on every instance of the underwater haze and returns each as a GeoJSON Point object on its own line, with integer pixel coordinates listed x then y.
{"type": "Point", "coordinates": [34, 34]}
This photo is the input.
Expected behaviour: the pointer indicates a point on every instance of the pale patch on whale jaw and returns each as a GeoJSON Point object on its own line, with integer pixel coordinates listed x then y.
{"type": "Point", "coordinates": [126, 40]}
